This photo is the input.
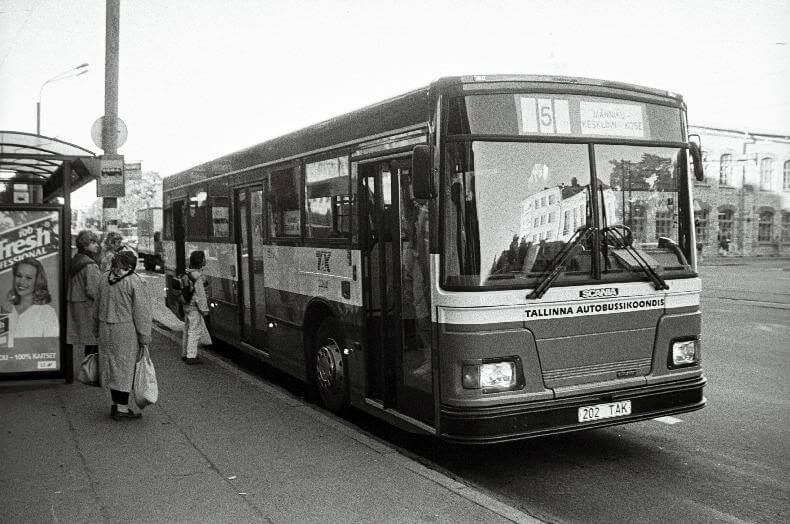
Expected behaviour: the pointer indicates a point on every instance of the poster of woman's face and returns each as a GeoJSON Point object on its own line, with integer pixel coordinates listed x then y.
{"type": "Point", "coordinates": [29, 291]}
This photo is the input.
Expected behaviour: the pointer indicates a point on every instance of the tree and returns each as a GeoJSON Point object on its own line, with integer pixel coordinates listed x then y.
{"type": "Point", "coordinates": [651, 173]}
{"type": "Point", "coordinates": [142, 192]}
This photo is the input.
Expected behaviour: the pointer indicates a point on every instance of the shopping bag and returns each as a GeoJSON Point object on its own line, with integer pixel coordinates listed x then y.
{"type": "Point", "coordinates": [145, 390]}
{"type": "Point", "coordinates": [205, 337]}
{"type": "Point", "coordinates": [89, 370]}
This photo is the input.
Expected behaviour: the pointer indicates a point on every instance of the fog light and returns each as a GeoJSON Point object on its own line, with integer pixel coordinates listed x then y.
{"type": "Point", "coordinates": [470, 378]}
{"type": "Point", "coordinates": [685, 353]}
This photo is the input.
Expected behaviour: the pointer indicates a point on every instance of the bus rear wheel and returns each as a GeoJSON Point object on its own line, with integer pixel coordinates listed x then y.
{"type": "Point", "coordinates": [329, 367]}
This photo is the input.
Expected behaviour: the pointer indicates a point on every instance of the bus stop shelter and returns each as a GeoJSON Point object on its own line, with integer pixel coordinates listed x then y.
{"type": "Point", "coordinates": [37, 176]}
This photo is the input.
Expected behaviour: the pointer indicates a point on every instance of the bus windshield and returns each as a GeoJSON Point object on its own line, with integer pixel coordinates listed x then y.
{"type": "Point", "coordinates": [511, 208]}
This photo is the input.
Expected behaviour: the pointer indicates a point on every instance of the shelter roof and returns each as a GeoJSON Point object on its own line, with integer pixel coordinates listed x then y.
{"type": "Point", "coordinates": [32, 158]}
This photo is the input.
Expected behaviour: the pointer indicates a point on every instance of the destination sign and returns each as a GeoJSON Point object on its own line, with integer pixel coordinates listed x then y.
{"type": "Point", "coordinates": [569, 116]}
{"type": "Point", "coordinates": [563, 115]}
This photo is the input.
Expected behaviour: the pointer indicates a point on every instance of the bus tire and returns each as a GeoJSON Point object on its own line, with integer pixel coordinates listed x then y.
{"type": "Point", "coordinates": [329, 367]}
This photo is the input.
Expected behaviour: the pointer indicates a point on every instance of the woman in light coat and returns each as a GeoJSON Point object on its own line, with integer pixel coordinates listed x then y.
{"type": "Point", "coordinates": [123, 327]}
{"type": "Point", "coordinates": [83, 287]}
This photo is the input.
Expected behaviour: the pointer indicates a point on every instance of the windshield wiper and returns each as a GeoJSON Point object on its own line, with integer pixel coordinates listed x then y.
{"type": "Point", "coordinates": [579, 236]}
{"type": "Point", "coordinates": [621, 237]}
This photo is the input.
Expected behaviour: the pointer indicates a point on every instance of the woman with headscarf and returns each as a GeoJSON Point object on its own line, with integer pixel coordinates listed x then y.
{"type": "Point", "coordinates": [123, 328]}
{"type": "Point", "coordinates": [81, 293]}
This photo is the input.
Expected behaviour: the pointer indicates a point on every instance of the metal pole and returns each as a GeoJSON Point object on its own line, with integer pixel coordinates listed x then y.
{"type": "Point", "coordinates": [67, 350]}
{"type": "Point", "coordinates": [110, 129]}
{"type": "Point", "coordinates": [71, 73]}
{"type": "Point", "coordinates": [111, 60]}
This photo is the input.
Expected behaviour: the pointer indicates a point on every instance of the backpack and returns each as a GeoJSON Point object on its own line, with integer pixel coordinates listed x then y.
{"type": "Point", "coordinates": [184, 289]}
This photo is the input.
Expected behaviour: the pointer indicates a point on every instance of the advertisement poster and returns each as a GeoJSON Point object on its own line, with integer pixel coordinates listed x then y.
{"type": "Point", "coordinates": [29, 291]}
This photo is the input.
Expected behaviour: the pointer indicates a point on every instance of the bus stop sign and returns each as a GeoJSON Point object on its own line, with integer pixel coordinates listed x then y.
{"type": "Point", "coordinates": [111, 182]}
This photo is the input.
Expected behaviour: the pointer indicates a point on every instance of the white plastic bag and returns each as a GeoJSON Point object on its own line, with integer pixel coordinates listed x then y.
{"type": "Point", "coordinates": [89, 370]}
{"type": "Point", "coordinates": [144, 386]}
{"type": "Point", "coordinates": [205, 337]}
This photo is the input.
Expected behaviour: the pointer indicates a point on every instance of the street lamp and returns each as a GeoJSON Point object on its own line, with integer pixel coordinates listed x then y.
{"type": "Point", "coordinates": [75, 71]}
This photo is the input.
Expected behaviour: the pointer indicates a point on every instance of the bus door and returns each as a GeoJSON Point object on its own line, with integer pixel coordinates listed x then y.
{"type": "Point", "coordinates": [178, 236]}
{"type": "Point", "coordinates": [399, 379]}
{"type": "Point", "coordinates": [249, 248]}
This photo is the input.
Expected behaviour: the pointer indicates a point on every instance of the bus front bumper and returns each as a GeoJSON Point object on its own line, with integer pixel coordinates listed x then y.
{"type": "Point", "coordinates": [519, 421]}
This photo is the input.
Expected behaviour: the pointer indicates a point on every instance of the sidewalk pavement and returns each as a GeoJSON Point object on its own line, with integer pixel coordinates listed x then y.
{"type": "Point", "coordinates": [738, 260]}
{"type": "Point", "coordinates": [219, 446]}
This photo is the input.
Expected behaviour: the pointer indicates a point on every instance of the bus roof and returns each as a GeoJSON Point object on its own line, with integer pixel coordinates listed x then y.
{"type": "Point", "coordinates": [399, 112]}
{"type": "Point", "coordinates": [494, 81]}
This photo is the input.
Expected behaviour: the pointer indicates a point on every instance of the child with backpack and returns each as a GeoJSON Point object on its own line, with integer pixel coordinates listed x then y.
{"type": "Point", "coordinates": [195, 308]}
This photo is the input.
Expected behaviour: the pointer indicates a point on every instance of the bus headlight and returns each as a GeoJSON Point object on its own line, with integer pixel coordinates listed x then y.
{"type": "Point", "coordinates": [490, 376]}
{"type": "Point", "coordinates": [685, 353]}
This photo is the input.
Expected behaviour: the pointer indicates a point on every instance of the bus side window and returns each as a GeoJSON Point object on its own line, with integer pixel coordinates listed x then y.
{"type": "Point", "coordinates": [283, 203]}
{"type": "Point", "coordinates": [327, 201]}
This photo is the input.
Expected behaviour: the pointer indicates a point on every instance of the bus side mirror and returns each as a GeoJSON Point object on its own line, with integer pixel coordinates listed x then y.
{"type": "Point", "coordinates": [421, 173]}
{"type": "Point", "coordinates": [696, 157]}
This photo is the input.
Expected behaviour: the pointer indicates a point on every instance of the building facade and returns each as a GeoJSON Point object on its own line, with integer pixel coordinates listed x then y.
{"type": "Point", "coordinates": [743, 205]}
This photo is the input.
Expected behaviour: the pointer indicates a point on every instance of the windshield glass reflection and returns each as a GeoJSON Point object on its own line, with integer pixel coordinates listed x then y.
{"type": "Point", "coordinates": [639, 189]}
{"type": "Point", "coordinates": [510, 208]}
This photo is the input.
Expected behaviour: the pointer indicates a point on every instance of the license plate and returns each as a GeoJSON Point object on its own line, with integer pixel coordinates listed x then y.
{"type": "Point", "coordinates": [602, 411]}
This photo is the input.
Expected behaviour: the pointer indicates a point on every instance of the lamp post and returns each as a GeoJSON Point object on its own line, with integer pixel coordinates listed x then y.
{"type": "Point", "coordinates": [75, 71]}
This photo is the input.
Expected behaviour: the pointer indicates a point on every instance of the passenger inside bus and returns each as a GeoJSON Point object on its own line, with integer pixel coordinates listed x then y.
{"type": "Point", "coordinates": [415, 288]}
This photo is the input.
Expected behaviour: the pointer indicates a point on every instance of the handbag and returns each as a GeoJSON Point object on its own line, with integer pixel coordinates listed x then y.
{"type": "Point", "coordinates": [89, 370]}
{"type": "Point", "coordinates": [145, 389]}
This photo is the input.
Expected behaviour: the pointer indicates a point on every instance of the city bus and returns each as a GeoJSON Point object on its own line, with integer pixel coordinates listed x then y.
{"type": "Point", "coordinates": [487, 258]}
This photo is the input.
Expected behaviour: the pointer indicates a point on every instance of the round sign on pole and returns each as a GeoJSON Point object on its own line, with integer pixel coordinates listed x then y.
{"type": "Point", "coordinates": [98, 126]}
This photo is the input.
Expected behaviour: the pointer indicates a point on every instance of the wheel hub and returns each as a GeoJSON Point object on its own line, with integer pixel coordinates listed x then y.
{"type": "Point", "coordinates": [329, 366]}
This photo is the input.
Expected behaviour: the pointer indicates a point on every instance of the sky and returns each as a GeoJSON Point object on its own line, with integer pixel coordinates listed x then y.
{"type": "Point", "coordinates": [202, 78]}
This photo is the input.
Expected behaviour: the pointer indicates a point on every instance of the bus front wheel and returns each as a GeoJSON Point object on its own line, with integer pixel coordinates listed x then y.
{"type": "Point", "coordinates": [329, 367]}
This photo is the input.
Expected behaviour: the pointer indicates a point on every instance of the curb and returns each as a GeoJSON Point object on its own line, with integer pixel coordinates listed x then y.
{"type": "Point", "coordinates": [392, 453]}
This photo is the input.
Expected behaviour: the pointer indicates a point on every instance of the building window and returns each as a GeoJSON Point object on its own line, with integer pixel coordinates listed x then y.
{"type": "Point", "coordinates": [765, 226]}
{"type": "Point", "coordinates": [786, 176]}
{"type": "Point", "coordinates": [566, 225]}
{"type": "Point", "coordinates": [635, 219]}
{"type": "Point", "coordinates": [664, 224]}
{"type": "Point", "coordinates": [701, 225]}
{"type": "Point", "coordinates": [766, 173]}
{"type": "Point", "coordinates": [786, 227]}
{"type": "Point", "coordinates": [725, 225]}
{"type": "Point", "coordinates": [725, 170]}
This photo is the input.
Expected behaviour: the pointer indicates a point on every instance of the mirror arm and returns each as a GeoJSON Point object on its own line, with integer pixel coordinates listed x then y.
{"type": "Point", "coordinates": [696, 156]}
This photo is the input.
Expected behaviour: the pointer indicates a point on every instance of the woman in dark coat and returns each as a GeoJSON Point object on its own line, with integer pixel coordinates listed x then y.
{"type": "Point", "coordinates": [123, 327]}
{"type": "Point", "coordinates": [83, 286]}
